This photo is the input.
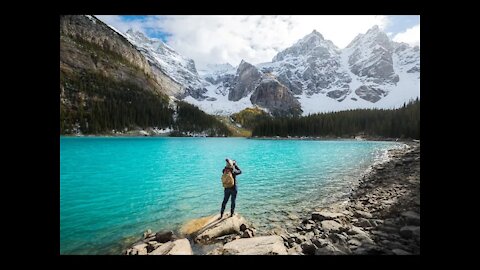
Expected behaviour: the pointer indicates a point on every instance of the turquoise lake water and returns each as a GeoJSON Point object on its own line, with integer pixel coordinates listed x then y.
{"type": "Point", "coordinates": [113, 189]}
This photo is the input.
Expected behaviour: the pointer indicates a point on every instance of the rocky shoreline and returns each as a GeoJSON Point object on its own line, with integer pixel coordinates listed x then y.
{"type": "Point", "coordinates": [330, 138]}
{"type": "Point", "coordinates": [381, 217]}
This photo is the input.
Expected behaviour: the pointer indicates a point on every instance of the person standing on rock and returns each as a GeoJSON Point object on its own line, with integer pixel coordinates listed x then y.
{"type": "Point", "coordinates": [230, 189]}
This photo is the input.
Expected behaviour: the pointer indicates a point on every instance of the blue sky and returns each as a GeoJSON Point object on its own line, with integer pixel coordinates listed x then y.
{"type": "Point", "coordinates": [150, 31]}
{"type": "Point", "coordinates": [400, 23]}
{"type": "Point", "coordinates": [220, 39]}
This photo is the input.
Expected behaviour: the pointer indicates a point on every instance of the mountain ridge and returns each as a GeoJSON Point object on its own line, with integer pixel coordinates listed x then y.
{"type": "Point", "coordinates": [371, 72]}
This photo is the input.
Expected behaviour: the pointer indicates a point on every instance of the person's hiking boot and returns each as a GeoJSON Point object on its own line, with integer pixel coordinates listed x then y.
{"type": "Point", "coordinates": [221, 215]}
{"type": "Point", "coordinates": [231, 214]}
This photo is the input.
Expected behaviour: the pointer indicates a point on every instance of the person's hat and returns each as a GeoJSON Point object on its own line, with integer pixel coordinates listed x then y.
{"type": "Point", "coordinates": [229, 163]}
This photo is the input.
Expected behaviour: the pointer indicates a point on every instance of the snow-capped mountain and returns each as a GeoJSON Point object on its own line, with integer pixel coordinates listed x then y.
{"type": "Point", "coordinates": [166, 60]}
{"type": "Point", "coordinates": [220, 75]}
{"type": "Point", "coordinates": [371, 72]}
{"type": "Point", "coordinates": [408, 57]}
{"type": "Point", "coordinates": [213, 70]}
{"type": "Point", "coordinates": [234, 89]}
{"type": "Point", "coordinates": [311, 66]}
{"type": "Point", "coordinates": [313, 75]}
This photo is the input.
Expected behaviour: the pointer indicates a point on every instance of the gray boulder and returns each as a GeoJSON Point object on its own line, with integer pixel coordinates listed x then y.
{"type": "Point", "coordinates": [152, 245]}
{"type": "Point", "coordinates": [331, 226]}
{"type": "Point", "coordinates": [359, 234]}
{"type": "Point", "coordinates": [325, 215]}
{"type": "Point", "coordinates": [354, 242]}
{"type": "Point", "coordinates": [308, 249]}
{"type": "Point", "coordinates": [400, 252]}
{"type": "Point", "coordinates": [329, 249]}
{"type": "Point", "coordinates": [164, 236]}
{"type": "Point", "coordinates": [363, 222]}
{"type": "Point", "coordinates": [363, 214]}
{"type": "Point", "coordinates": [248, 233]}
{"type": "Point", "coordinates": [140, 249]}
{"type": "Point", "coordinates": [410, 231]}
{"type": "Point", "coordinates": [412, 218]}
{"type": "Point", "coordinates": [320, 242]}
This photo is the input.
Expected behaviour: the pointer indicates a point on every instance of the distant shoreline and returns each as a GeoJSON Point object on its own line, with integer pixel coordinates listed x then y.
{"type": "Point", "coordinates": [333, 139]}
{"type": "Point", "coordinates": [400, 140]}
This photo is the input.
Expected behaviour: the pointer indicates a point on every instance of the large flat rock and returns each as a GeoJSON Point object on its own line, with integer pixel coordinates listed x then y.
{"type": "Point", "coordinates": [213, 227]}
{"type": "Point", "coordinates": [263, 245]}
{"type": "Point", "coordinates": [177, 247]}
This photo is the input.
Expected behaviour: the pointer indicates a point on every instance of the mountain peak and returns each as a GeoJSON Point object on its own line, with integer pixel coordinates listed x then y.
{"type": "Point", "coordinates": [375, 31]}
{"type": "Point", "coordinates": [313, 43]}
{"type": "Point", "coordinates": [137, 33]}
{"type": "Point", "coordinates": [244, 63]}
{"type": "Point", "coordinates": [374, 28]}
{"type": "Point", "coordinates": [314, 36]}
{"type": "Point", "coordinates": [316, 33]}
{"type": "Point", "coordinates": [374, 36]}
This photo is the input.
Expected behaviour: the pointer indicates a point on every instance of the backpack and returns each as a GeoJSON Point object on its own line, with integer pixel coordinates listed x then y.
{"type": "Point", "coordinates": [227, 179]}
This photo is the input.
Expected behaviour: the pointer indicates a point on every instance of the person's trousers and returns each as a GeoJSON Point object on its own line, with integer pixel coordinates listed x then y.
{"type": "Point", "coordinates": [227, 193]}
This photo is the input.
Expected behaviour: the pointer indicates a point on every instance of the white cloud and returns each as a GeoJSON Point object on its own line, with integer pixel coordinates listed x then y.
{"type": "Point", "coordinates": [255, 39]}
{"type": "Point", "coordinates": [410, 36]}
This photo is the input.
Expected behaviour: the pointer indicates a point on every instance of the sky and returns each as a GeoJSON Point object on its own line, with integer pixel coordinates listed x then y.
{"type": "Point", "coordinates": [218, 39]}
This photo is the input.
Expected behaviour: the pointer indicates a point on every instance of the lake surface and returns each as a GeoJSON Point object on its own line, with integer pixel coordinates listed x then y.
{"type": "Point", "coordinates": [113, 189]}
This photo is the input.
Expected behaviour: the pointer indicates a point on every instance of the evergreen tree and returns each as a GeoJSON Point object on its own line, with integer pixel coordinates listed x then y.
{"type": "Point", "coordinates": [403, 122]}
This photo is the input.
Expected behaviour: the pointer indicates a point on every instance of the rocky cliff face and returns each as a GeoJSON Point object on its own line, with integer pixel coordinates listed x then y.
{"type": "Point", "coordinates": [246, 80]}
{"type": "Point", "coordinates": [274, 96]}
{"type": "Point", "coordinates": [372, 72]}
{"type": "Point", "coordinates": [371, 57]}
{"type": "Point", "coordinates": [408, 57]}
{"type": "Point", "coordinates": [310, 66]}
{"type": "Point", "coordinates": [165, 61]}
{"type": "Point", "coordinates": [88, 44]}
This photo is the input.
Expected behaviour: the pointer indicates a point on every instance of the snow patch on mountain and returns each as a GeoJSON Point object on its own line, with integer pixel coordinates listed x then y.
{"type": "Point", "coordinates": [212, 70]}
{"type": "Point", "coordinates": [406, 89]}
{"type": "Point", "coordinates": [218, 104]}
{"type": "Point", "coordinates": [181, 69]}
{"type": "Point", "coordinates": [371, 72]}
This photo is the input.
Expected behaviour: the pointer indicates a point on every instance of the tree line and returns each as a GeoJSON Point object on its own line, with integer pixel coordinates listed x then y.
{"type": "Point", "coordinates": [403, 122]}
{"type": "Point", "coordinates": [95, 104]}
{"type": "Point", "coordinates": [249, 117]}
{"type": "Point", "coordinates": [191, 119]}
